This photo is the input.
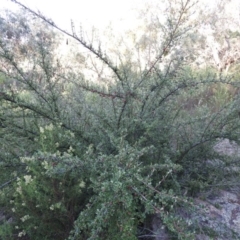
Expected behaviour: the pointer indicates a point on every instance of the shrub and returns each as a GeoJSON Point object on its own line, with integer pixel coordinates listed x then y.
{"type": "Point", "coordinates": [44, 206]}
{"type": "Point", "coordinates": [92, 161]}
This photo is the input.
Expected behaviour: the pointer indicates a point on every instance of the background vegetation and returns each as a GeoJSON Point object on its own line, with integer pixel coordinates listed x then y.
{"type": "Point", "coordinates": [94, 144]}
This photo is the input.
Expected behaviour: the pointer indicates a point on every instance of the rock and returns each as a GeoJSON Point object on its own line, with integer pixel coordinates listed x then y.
{"type": "Point", "coordinates": [218, 215]}
{"type": "Point", "coordinates": [225, 147]}
{"type": "Point", "coordinates": [223, 214]}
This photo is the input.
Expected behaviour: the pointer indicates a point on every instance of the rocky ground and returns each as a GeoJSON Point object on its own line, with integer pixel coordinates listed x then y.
{"type": "Point", "coordinates": [220, 210]}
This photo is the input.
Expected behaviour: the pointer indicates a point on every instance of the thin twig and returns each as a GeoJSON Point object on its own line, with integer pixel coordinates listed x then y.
{"type": "Point", "coordinates": [7, 183]}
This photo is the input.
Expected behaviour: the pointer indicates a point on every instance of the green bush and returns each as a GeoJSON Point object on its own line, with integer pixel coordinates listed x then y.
{"type": "Point", "coordinates": [44, 206]}
{"type": "Point", "coordinates": [90, 161]}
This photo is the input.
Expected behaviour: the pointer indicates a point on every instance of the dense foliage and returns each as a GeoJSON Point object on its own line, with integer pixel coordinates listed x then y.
{"type": "Point", "coordinates": [83, 159]}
